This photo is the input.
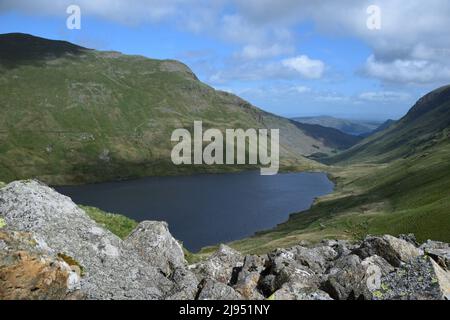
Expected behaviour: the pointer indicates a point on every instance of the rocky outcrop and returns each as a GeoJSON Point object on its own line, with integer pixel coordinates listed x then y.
{"type": "Point", "coordinates": [214, 290]}
{"type": "Point", "coordinates": [111, 270]}
{"type": "Point", "coordinates": [29, 272]}
{"type": "Point", "coordinates": [220, 266]}
{"type": "Point", "coordinates": [154, 243]}
{"type": "Point", "coordinates": [50, 249]}
{"type": "Point", "coordinates": [395, 251]}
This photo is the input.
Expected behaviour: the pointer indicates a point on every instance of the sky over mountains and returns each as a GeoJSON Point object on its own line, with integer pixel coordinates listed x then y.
{"type": "Point", "coordinates": [291, 57]}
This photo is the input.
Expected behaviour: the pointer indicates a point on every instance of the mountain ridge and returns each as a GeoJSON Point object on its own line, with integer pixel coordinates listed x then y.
{"type": "Point", "coordinates": [352, 127]}
{"type": "Point", "coordinates": [79, 115]}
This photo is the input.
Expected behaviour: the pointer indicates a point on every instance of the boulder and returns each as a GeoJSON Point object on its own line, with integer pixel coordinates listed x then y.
{"type": "Point", "coordinates": [384, 266]}
{"type": "Point", "coordinates": [154, 243]}
{"type": "Point", "coordinates": [28, 272]}
{"type": "Point", "coordinates": [439, 251]}
{"type": "Point", "coordinates": [316, 258]}
{"type": "Point", "coordinates": [220, 266]}
{"type": "Point", "coordinates": [349, 279]}
{"type": "Point", "coordinates": [186, 285]}
{"type": "Point", "coordinates": [110, 271]}
{"type": "Point", "coordinates": [410, 237]}
{"type": "Point", "coordinates": [395, 251]}
{"type": "Point", "coordinates": [249, 276]}
{"type": "Point", "coordinates": [282, 267]}
{"type": "Point", "coordinates": [420, 279]}
{"type": "Point", "coordinates": [291, 291]}
{"type": "Point", "coordinates": [214, 290]}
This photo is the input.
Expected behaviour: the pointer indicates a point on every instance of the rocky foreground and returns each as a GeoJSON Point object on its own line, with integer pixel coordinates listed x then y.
{"type": "Point", "coordinates": [50, 249]}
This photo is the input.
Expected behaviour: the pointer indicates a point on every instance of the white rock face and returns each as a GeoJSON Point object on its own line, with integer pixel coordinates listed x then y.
{"type": "Point", "coordinates": [111, 270]}
{"type": "Point", "coordinates": [154, 243]}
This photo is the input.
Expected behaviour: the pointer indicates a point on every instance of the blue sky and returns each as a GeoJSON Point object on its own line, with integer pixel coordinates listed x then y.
{"type": "Point", "coordinates": [289, 57]}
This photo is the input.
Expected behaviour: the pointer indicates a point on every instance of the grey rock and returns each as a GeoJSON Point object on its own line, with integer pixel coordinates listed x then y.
{"type": "Point", "coordinates": [215, 290]}
{"type": "Point", "coordinates": [385, 267]}
{"type": "Point", "coordinates": [28, 272]}
{"type": "Point", "coordinates": [439, 251]}
{"type": "Point", "coordinates": [283, 265]}
{"type": "Point", "coordinates": [59, 226]}
{"type": "Point", "coordinates": [395, 251]}
{"type": "Point", "coordinates": [220, 266]}
{"type": "Point", "coordinates": [420, 279]}
{"type": "Point", "coordinates": [316, 258]}
{"type": "Point", "coordinates": [410, 237]}
{"type": "Point", "coordinates": [349, 279]}
{"type": "Point", "coordinates": [186, 285]}
{"type": "Point", "coordinates": [291, 291]}
{"type": "Point", "coordinates": [249, 276]}
{"type": "Point", "coordinates": [154, 243]}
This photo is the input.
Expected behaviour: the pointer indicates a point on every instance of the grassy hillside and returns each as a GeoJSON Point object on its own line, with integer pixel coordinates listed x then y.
{"type": "Point", "coordinates": [73, 115]}
{"type": "Point", "coordinates": [425, 125]}
{"type": "Point", "coordinates": [329, 136]}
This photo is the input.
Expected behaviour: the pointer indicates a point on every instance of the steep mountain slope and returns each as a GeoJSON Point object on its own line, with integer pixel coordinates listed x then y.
{"type": "Point", "coordinates": [385, 125]}
{"type": "Point", "coordinates": [329, 136]}
{"type": "Point", "coordinates": [352, 127]}
{"type": "Point", "coordinates": [72, 115]}
{"type": "Point", "coordinates": [425, 125]}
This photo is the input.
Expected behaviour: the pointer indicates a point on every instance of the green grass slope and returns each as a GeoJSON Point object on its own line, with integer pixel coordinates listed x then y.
{"type": "Point", "coordinates": [72, 115]}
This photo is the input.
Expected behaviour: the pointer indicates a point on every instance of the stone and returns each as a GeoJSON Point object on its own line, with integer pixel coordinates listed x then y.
{"type": "Point", "coordinates": [110, 271]}
{"type": "Point", "coordinates": [249, 276]}
{"type": "Point", "coordinates": [290, 291]}
{"type": "Point", "coordinates": [220, 266]}
{"type": "Point", "coordinates": [29, 273]}
{"type": "Point", "coordinates": [410, 237]}
{"type": "Point", "coordinates": [214, 290]}
{"type": "Point", "coordinates": [420, 279]}
{"type": "Point", "coordinates": [186, 285]}
{"type": "Point", "coordinates": [439, 251]}
{"type": "Point", "coordinates": [154, 243]}
{"type": "Point", "coordinates": [283, 265]}
{"type": "Point", "coordinates": [349, 279]}
{"type": "Point", "coordinates": [316, 258]}
{"type": "Point", "coordinates": [385, 267]}
{"type": "Point", "coordinates": [395, 251]}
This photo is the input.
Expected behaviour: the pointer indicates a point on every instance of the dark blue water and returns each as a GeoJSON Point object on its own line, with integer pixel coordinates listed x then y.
{"type": "Point", "coordinates": [204, 210]}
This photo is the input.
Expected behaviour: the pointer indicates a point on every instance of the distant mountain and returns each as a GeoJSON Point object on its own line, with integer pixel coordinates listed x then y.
{"type": "Point", "coordinates": [353, 127]}
{"type": "Point", "coordinates": [330, 137]}
{"type": "Point", "coordinates": [382, 127]}
{"type": "Point", "coordinates": [73, 115]}
{"type": "Point", "coordinates": [426, 125]}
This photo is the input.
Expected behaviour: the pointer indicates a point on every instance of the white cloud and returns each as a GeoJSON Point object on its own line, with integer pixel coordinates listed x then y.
{"type": "Point", "coordinates": [295, 68]}
{"type": "Point", "coordinates": [301, 89]}
{"type": "Point", "coordinates": [264, 52]}
{"type": "Point", "coordinates": [411, 71]}
{"type": "Point", "coordinates": [411, 45]}
{"type": "Point", "coordinates": [384, 96]}
{"type": "Point", "coordinates": [308, 68]}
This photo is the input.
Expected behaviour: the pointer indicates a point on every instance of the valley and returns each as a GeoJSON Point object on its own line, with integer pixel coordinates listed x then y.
{"type": "Point", "coordinates": [112, 117]}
